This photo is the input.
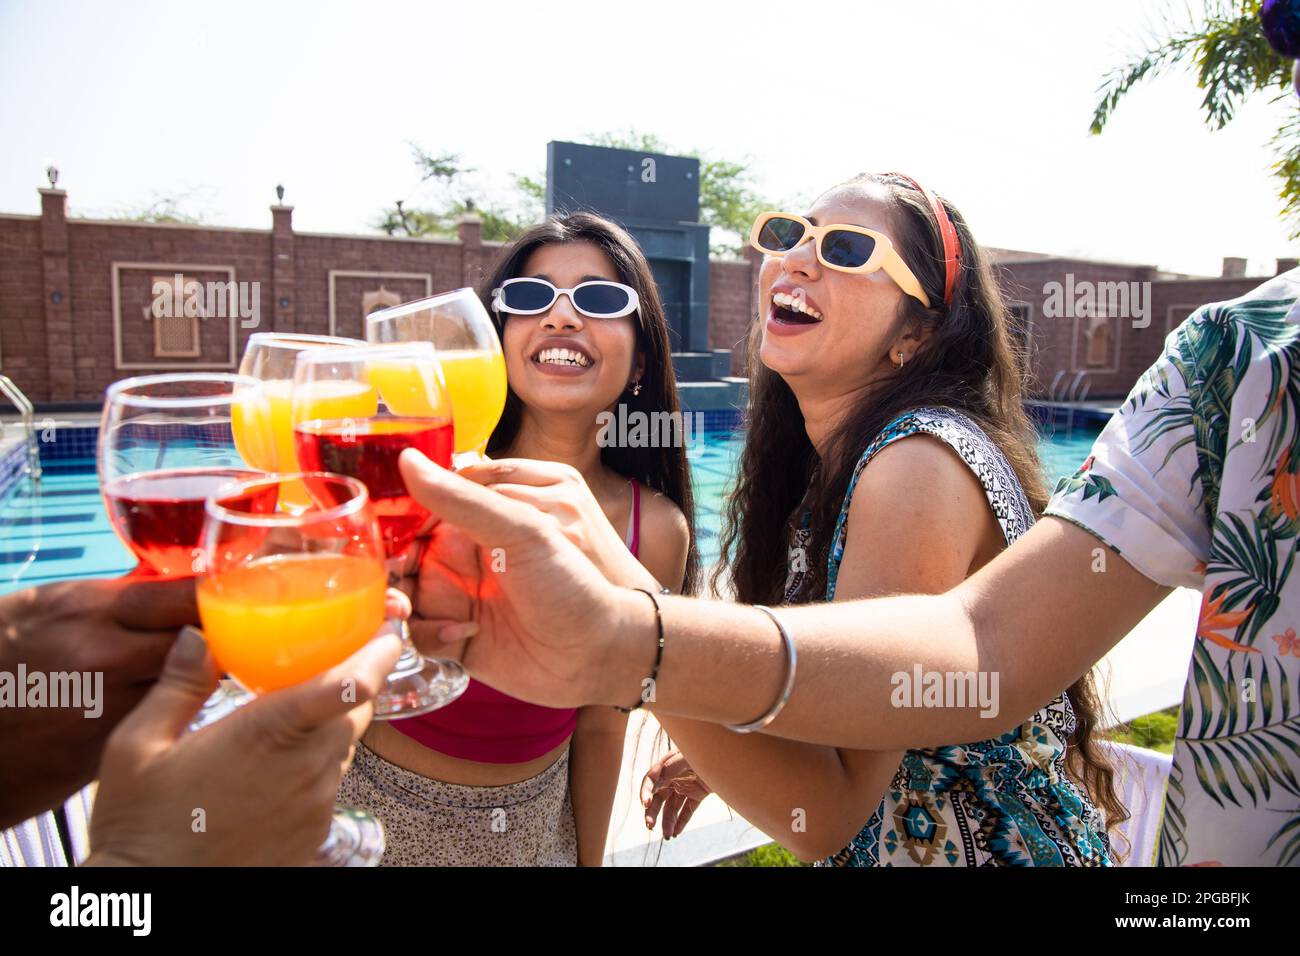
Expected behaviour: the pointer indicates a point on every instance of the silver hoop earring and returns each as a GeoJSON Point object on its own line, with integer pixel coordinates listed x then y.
{"type": "Point", "coordinates": [901, 360]}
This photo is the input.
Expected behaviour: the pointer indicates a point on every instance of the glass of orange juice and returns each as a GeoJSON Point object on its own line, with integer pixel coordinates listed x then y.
{"type": "Point", "coordinates": [287, 594]}
{"type": "Point", "coordinates": [469, 351]}
{"type": "Point", "coordinates": [261, 421]}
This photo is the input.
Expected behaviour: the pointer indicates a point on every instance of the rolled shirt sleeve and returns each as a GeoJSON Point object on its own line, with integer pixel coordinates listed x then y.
{"type": "Point", "coordinates": [1140, 490]}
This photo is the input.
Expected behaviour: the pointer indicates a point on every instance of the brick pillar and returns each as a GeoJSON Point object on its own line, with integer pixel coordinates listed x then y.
{"type": "Point", "coordinates": [60, 352]}
{"type": "Point", "coordinates": [739, 355]}
{"type": "Point", "coordinates": [279, 313]}
{"type": "Point", "coordinates": [469, 230]}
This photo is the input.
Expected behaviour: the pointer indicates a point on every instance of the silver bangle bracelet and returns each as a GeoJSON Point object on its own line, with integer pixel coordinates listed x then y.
{"type": "Point", "coordinates": [786, 689]}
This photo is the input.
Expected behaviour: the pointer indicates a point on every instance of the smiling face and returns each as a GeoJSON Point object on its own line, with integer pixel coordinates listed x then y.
{"type": "Point", "coordinates": [827, 331]}
{"type": "Point", "coordinates": [562, 361]}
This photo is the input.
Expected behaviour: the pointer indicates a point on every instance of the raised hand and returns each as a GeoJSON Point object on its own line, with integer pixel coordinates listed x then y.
{"type": "Point", "coordinates": [253, 789]}
{"type": "Point", "coordinates": [116, 633]}
{"type": "Point", "coordinates": [558, 491]}
{"type": "Point", "coordinates": [673, 786]}
{"type": "Point", "coordinates": [540, 614]}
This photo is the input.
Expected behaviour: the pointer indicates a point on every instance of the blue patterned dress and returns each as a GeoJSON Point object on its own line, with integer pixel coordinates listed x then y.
{"type": "Point", "coordinates": [1000, 802]}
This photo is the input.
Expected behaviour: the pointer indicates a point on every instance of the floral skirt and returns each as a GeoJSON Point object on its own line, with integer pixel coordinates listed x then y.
{"type": "Point", "coordinates": [430, 823]}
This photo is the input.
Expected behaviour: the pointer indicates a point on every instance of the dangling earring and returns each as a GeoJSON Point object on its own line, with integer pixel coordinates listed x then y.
{"type": "Point", "coordinates": [901, 360]}
{"type": "Point", "coordinates": [636, 388]}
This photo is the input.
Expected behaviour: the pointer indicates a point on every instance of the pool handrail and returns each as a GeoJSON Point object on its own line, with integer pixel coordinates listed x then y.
{"type": "Point", "coordinates": [11, 391]}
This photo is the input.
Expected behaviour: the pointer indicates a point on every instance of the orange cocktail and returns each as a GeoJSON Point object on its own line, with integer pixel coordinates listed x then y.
{"type": "Point", "coordinates": [279, 620]}
{"type": "Point", "coordinates": [476, 383]}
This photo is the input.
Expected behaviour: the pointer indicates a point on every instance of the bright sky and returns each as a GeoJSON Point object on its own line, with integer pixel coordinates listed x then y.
{"type": "Point", "coordinates": [988, 103]}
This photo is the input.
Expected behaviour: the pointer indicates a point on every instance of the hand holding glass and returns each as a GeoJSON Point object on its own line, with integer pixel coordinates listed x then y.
{"type": "Point", "coordinates": [286, 595]}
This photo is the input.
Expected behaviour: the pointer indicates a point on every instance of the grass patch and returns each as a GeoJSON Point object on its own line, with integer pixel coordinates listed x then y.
{"type": "Point", "coordinates": [770, 854]}
{"type": "Point", "coordinates": [1153, 731]}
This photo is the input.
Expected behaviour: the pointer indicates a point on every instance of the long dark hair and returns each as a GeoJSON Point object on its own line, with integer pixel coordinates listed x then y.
{"type": "Point", "coordinates": [663, 469]}
{"type": "Point", "coordinates": [972, 362]}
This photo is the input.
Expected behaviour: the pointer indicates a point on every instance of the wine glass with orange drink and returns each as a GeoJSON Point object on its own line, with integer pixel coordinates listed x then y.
{"type": "Point", "coordinates": [469, 351]}
{"type": "Point", "coordinates": [263, 425]}
{"type": "Point", "coordinates": [285, 594]}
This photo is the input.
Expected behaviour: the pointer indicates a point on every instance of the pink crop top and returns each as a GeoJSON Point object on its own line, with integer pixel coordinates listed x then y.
{"type": "Point", "coordinates": [488, 726]}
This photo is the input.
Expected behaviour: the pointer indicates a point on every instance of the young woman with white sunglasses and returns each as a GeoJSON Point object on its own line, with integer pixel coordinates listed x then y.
{"type": "Point", "coordinates": [488, 779]}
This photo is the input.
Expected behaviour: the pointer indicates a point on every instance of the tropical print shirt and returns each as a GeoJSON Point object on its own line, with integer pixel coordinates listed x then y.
{"type": "Point", "coordinates": [1196, 483]}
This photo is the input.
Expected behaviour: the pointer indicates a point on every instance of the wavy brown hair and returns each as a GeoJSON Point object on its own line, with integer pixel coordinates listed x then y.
{"type": "Point", "coordinates": [973, 362]}
{"type": "Point", "coordinates": [664, 469]}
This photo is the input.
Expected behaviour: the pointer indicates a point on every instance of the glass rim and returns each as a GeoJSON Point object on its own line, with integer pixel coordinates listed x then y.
{"type": "Point", "coordinates": [366, 351]}
{"type": "Point", "coordinates": [318, 426]}
{"type": "Point", "coordinates": [420, 305]}
{"type": "Point", "coordinates": [119, 392]}
{"type": "Point", "coordinates": [286, 340]}
{"type": "Point", "coordinates": [279, 519]}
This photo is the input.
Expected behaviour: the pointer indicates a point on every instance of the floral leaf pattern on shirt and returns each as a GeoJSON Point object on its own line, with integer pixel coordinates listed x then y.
{"type": "Point", "coordinates": [1203, 460]}
{"type": "Point", "coordinates": [1091, 485]}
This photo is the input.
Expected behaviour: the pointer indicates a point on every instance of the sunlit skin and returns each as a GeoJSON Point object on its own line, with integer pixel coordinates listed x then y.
{"type": "Point", "coordinates": [898, 540]}
{"type": "Point", "coordinates": [559, 424]}
{"type": "Point", "coordinates": [550, 391]}
{"type": "Point", "coordinates": [1037, 613]}
{"type": "Point", "coordinates": [829, 364]}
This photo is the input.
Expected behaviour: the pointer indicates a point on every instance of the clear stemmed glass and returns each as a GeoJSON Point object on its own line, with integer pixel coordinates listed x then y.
{"type": "Point", "coordinates": [165, 443]}
{"type": "Point", "coordinates": [469, 350]}
{"type": "Point", "coordinates": [287, 594]}
{"type": "Point", "coordinates": [263, 427]}
{"type": "Point", "coordinates": [354, 412]}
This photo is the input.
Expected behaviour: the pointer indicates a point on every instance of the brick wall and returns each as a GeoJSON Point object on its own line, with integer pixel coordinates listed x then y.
{"type": "Point", "coordinates": [63, 341]}
{"type": "Point", "coordinates": [1060, 339]}
{"type": "Point", "coordinates": [22, 309]}
{"type": "Point", "coordinates": [59, 339]}
{"type": "Point", "coordinates": [733, 294]}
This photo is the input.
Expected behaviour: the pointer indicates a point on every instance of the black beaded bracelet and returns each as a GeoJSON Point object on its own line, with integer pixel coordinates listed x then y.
{"type": "Point", "coordinates": [659, 649]}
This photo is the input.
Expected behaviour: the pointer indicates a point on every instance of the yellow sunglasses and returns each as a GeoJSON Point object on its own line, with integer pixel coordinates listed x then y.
{"type": "Point", "coordinates": [845, 248]}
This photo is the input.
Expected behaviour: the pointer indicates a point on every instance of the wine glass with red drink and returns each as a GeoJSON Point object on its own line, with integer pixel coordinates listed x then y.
{"type": "Point", "coordinates": [165, 445]}
{"type": "Point", "coordinates": [354, 411]}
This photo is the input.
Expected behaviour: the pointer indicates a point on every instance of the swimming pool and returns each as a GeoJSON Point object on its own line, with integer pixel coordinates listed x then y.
{"type": "Point", "coordinates": [62, 532]}
{"type": "Point", "coordinates": [1062, 453]}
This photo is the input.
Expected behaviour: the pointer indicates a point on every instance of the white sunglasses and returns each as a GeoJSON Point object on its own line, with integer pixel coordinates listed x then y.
{"type": "Point", "coordinates": [596, 299]}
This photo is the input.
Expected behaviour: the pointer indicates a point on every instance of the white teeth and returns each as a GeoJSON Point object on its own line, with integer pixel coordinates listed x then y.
{"type": "Point", "coordinates": [795, 304]}
{"type": "Point", "coordinates": [562, 357]}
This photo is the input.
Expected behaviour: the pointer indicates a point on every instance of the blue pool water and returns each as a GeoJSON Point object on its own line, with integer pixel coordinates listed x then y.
{"type": "Point", "coordinates": [59, 532]}
{"type": "Point", "coordinates": [62, 531]}
{"type": "Point", "coordinates": [1061, 452]}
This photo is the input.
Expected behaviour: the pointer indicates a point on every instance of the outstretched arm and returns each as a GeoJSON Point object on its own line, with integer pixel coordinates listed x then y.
{"type": "Point", "coordinates": [1038, 614]}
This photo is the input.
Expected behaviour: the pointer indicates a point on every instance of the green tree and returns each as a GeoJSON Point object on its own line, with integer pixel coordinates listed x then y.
{"type": "Point", "coordinates": [176, 208]}
{"type": "Point", "coordinates": [1225, 48]}
{"type": "Point", "coordinates": [453, 193]}
{"type": "Point", "coordinates": [729, 200]}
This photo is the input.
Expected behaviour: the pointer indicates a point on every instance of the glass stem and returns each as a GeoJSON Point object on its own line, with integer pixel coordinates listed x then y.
{"type": "Point", "coordinates": [411, 659]}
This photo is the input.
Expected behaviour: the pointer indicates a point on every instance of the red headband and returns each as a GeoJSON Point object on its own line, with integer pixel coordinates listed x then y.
{"type": "Point", "coordinates": [951, 245]}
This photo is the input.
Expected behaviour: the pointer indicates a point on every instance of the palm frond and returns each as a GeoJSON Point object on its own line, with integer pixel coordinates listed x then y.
{"type": "Point", "coordinates": [1290, 850]}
